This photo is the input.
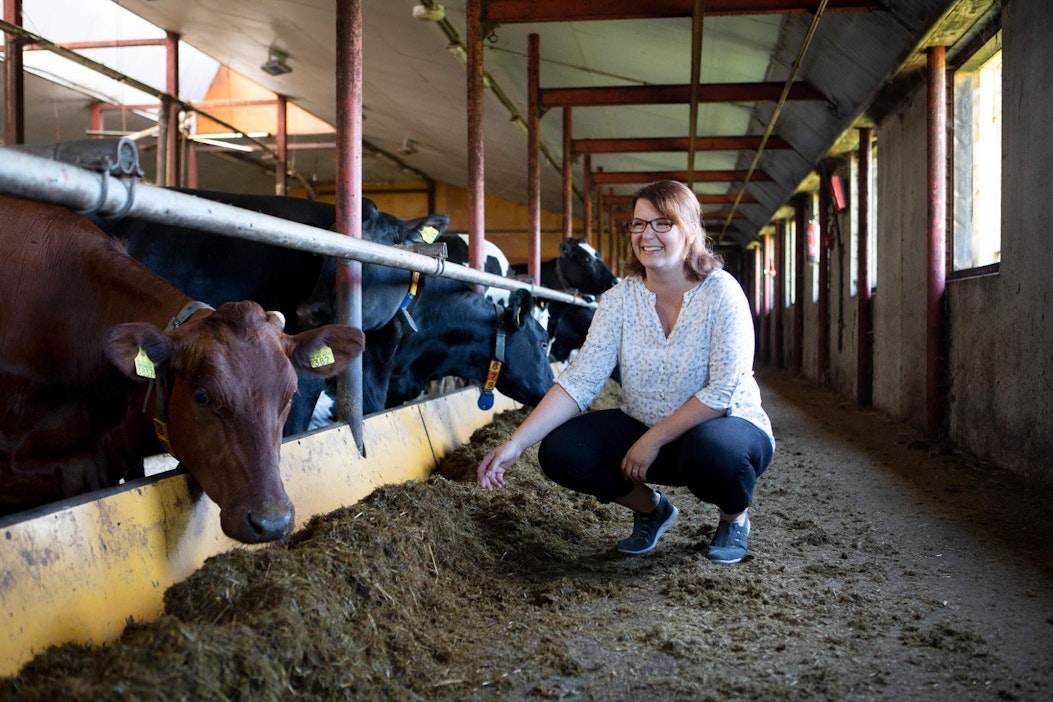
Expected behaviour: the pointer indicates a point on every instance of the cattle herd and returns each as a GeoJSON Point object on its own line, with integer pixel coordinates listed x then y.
{"type": "Point", "coordinates": [121, 338]}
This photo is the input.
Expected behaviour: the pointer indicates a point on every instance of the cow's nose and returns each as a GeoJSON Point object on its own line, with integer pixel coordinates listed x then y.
{"type": "Point", "coordinates": [269, 524]}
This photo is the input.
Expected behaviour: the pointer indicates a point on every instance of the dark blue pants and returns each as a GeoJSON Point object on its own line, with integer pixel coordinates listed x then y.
{"type": "Point", "coordinates": [719, 460]}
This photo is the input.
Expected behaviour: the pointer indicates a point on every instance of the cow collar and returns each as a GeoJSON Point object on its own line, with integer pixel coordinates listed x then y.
{"type": "Point", "coordinates": [402, 324]}
{"type": "Point", "coordinates": [164, 381]}
{"type": "Point", "coordinates": [486, 397]}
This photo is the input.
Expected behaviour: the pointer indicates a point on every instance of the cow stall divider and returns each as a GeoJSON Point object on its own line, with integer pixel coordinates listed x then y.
{"type": "Point", "coordinates": [77, 570]}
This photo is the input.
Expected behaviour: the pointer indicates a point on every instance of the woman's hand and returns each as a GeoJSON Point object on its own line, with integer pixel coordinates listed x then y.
{"type": "Point", "coordinates": [492, 468]}
{"type": "Point", "coordinates": [639, 457]}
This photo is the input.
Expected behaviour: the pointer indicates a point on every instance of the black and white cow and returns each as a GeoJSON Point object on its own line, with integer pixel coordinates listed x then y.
{"type": "Point", "coordinates": [570, 329]}
{"type": "Point", "coordinates": [494, 262]}
{"type": "Point", "coordinates": [216, 269]}
{"type": "Point", "coordinates": [461, 334]}
{"type": "Point", "coordinates": [577, 269]}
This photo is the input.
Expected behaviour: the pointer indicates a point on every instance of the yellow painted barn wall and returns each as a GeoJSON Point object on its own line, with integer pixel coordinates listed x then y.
{"type": "Point", "coordinates": [229, 85]}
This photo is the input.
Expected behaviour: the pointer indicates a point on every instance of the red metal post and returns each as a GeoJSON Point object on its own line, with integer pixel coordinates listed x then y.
{"type": "Point", "coordinates": [779, 298]}
{"type": "Point", "coordinates": [586, 187]}
{"type": "Point", "coordinates": [281, 147]}
{"type": "Point", "coordinates": [349, 198]}
{"type": "Point", "coordinates": [937, 246]}
{"type": "Point", "coordinates": [767, 293]}
{"type": "Point", "coordinates": [802, 213]}
{"type": "Point", "coordinates": [14, 78]}
{"type": "Point", "coordinates": [191, 164]}
{"type": "Point", "coordinates": [476, 171]}
{"type": "Point", "coordinates": [606, 239]}
{"type": "Point", "coordinates": [171, 136]}
{"type": "Point", "coordinates": [757, 301]}
{"type": "Point", "coordinates": [568, 175]}
{"type": "Point", "coordinates": [97, 121]}
{"type": "Point", "coordinates": [600, 209]}
{"type": "Point", "coordinates": [865, 326]}
{"type": "Point", "coordinates": [163, 119]}
{"type": "Point", "coordinates": [533, 164]}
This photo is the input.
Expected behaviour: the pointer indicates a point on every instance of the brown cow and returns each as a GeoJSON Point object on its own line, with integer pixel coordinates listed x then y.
{"type": "Point", "coordinates": [81, 323]}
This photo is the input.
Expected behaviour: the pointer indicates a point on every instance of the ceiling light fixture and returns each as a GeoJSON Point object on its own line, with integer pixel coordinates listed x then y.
{"type": "Point", "coordinates": [276, 63]}
{"type": "Point", "coordinates": [429, 12]}
{"type": "Point", "coordinates": [199, 139]}
{"type": "Point", "coordinates": [408, 147]}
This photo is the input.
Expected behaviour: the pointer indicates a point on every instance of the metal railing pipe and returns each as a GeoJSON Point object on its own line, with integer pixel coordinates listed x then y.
{"type": "Point", "coordinates": [26, 175]}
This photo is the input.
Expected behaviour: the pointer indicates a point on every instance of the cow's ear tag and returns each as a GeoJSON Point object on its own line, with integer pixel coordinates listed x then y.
{"type": "Point", "coordinates": [144, 367]}
{"type": "Point", "coordinates": [429, 234]}
{"type": "Point", "coordinates": [322, 356]}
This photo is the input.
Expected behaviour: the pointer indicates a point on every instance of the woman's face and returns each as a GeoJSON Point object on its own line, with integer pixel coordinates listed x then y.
{"type": "Point", "coordinates": [658, 251]}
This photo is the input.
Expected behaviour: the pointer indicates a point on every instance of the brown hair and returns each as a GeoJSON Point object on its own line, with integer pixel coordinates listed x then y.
{"type": "Point", "coordinates": [680, 204]}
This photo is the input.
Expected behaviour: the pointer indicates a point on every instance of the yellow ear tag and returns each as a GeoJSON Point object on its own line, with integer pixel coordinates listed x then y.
{"type": "Point", "coordinates": [429, 234]}
{"type": "Point", "coordinates": [144, 367]}
{"type": "Point", "coordinates": [322, 356]}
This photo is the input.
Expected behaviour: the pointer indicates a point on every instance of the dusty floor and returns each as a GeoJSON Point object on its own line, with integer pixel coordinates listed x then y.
{"type": "Point", "coordinates": [881, 569]}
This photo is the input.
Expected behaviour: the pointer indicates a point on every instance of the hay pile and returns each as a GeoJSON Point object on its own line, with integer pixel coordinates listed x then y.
{"type": "Point", "coordinates": [436, 590]}
{"type": "Point", "coordinates": [397, 597]}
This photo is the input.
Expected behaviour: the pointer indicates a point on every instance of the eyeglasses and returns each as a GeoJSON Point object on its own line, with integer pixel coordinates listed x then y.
{"type": "Point", "coordinates": [660, 225]}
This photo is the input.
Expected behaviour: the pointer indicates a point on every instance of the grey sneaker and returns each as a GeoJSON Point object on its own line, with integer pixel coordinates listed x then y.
{"type": "Point", "coordinates": [649, 527]}
{"type": "Point", "coordinates": [729, 543]}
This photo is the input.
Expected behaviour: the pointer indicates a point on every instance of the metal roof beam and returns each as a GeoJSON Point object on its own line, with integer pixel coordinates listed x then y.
{"type": "Point", "coordinates": [519, 11]}
{"type": "Point", "coordinates": [703, 199]}
{"type": "Point", "coordinates": [702, 143]}
{"type": "Point", "coordinates": [674, 94]}
{"type": "Point", "coordinates": [613, 177]}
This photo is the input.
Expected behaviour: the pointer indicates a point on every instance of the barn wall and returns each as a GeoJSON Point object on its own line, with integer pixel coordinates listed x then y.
{"type": "Point", "coordinates": [809, 356]}
{"type": "Point", "coordinates": [1001, 327]}
{"type": "Point", "coordinates": [844, 306]}
{"type": "Point", "coordinates": [899, 303]}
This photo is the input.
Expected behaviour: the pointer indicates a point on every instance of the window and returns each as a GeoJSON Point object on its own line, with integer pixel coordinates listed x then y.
{"type": "Point", "coordinates": [977, 171]}
{"type": "Point", "coordinates": [872, 213]}
{"type": "Point", "coordinates": [853, 221]}
{"type": "Point", "coordinates": [814, 244]}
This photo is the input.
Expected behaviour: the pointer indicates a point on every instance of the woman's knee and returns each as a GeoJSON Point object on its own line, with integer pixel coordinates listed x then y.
{"type": "Point", "coordinates": [720, 462]}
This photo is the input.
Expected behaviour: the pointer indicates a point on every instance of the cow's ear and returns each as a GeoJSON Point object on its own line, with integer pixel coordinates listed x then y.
{"type": "Point", "coordinates": [327, 350]}
{"type": "Point", "coordinates": [277, 318]}
{"type": "Point", "coordinates": [519, 304]}
{"type": "Point", "coordinates": [426, 229]}
{"type": "Point", "coordinates": [138, 350]}
{"type": "Point", "coordinates": [566, 248]}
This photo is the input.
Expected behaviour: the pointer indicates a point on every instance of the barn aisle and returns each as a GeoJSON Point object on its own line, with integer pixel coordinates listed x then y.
{"type": "Point", "coordinates": [974, 539]}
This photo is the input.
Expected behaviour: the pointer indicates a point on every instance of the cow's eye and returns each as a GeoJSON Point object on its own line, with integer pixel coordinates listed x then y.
{"type": "Point", "coordinates": [201, 397]}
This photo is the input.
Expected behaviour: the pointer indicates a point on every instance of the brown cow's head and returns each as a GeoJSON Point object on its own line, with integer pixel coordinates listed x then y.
{"type": "Point", "coordinates": [232, 381]}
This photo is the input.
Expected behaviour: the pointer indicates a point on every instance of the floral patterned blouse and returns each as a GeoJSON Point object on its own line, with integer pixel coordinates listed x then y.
{"type": "Point", "coordinates": [708, 354]}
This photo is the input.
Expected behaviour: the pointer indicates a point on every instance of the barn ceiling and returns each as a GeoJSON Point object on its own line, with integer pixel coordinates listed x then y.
{"type": "Point", "coordinates": [617, 70]}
